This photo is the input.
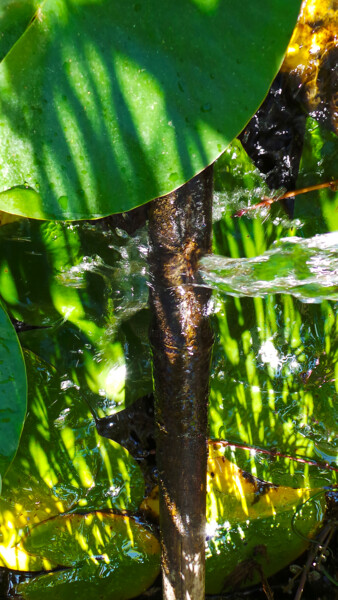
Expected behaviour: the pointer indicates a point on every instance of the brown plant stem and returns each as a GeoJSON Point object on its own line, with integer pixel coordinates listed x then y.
{"type": "Point", "coordinates": [311, 556]}
{"type": "Point", "coordinates": [268, 201]}
{"type": "Point", "coordinates": [181, 339]}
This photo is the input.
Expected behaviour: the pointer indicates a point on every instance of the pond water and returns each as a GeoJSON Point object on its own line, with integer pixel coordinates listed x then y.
{"type": "Point", "coordinates": [78, 293]}
{"type": "Point", "coordinates": [273, 385]}
{"type": "Point", "coordinates": [306, 268]}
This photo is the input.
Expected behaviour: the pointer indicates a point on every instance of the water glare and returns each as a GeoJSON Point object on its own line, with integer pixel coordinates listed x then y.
{"type": "Point", "coordinates": [305, 268]}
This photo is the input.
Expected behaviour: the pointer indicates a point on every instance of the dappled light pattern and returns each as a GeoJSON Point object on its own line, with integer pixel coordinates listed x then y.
{"type": "Point", "coordinates": [251, 523]}
{"type": "Point", "coordinates": [108, 109]}
{"type": "Point", "coordinates": [108, 556]}
{"type": "Point", "coordinates": [86, 285]}
{"type": "Point", "coordinates": [62, 465]}
{"type": "Point", "coordinates": [274, 378]}
{"type": "Point", "coordinates": [274, 386]}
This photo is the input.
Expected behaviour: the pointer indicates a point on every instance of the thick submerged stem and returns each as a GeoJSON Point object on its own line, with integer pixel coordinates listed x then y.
{"type": "Point", "coordinates": [181, 339]}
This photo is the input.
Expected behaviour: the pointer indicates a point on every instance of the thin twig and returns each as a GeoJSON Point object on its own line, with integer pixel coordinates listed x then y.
{"type": "Point", "coordinates": [322, 554]}
{"type": "Point", "coordinates": [274, 453]}
{"type": "Point", "coordinates": [312, 555]}
{"type": "Point", "coordinates": [268, 201]}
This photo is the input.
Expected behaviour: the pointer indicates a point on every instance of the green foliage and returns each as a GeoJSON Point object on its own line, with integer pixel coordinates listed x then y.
{"type": "Point", "coordinates": [252, 526]}
{"type": "Point", "coordinates": [84, 285]}
{"type": "Point", "coordinates": [318, 165]}
{"type": "Point", "coordinates": [62, 464]}
{"type": "Point", "coordinates": [103, 109]}
{"type": "Point", "coordinates": [111, 557]}
{"type": "Point", "coordinates": [274, 382]}
{"type": "Point", "coordinates": [13, 392]}
{"type": "Point", "coordinates": [96, 118]}
{"type": "Point", "coordinates": [64, 467]}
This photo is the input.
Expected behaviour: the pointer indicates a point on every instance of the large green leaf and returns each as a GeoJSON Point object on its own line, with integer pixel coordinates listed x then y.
{"type": "Point", "coordinates": [103, 109]}
{"type": "Point", "coordinates": [112, 557]}
{"type": "Point", "coordinates": [13, 392]}
{"type": "Point", "coordinates": [62, 465]}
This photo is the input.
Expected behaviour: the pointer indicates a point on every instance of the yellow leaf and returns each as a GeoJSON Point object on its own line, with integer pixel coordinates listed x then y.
{"type": "Point", "coordinates": [311, 57]}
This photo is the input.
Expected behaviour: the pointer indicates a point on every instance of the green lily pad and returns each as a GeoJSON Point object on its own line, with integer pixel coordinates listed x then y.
{"type": "Point", "coordinates": [15, 16]}
{"type": "Point", "coordinates": [111, 556]}
{"type": "Point", "coordinates": [13, 392]}
{"type": "Point", "coordinates": [102, 110]}
{"type": "Point", "coordinates": [253, 527]}
{"type": "Point", "coordinates": [62, 465]}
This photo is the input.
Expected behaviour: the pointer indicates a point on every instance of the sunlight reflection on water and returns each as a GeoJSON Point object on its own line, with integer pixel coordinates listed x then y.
{"type": "Point", "coordinates": [305, 268]}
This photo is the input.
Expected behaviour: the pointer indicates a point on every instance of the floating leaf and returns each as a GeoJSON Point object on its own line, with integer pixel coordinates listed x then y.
{"type": "Point", "coordinates": [62, 465]}
{"type": "Point", "coordinates": [108, 109]}
{"type": "Point", "coordinates": [13, 392]}
{"type": "Point", "coordinates": [253, 526]}
{"type": "Point", "coordinates": [111, 556]}
{"type": "Point", "coordinates": [250, 522]}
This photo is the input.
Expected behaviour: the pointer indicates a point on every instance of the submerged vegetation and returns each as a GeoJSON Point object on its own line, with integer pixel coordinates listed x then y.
{"type": "Point", "coordinates": [79, 501]}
